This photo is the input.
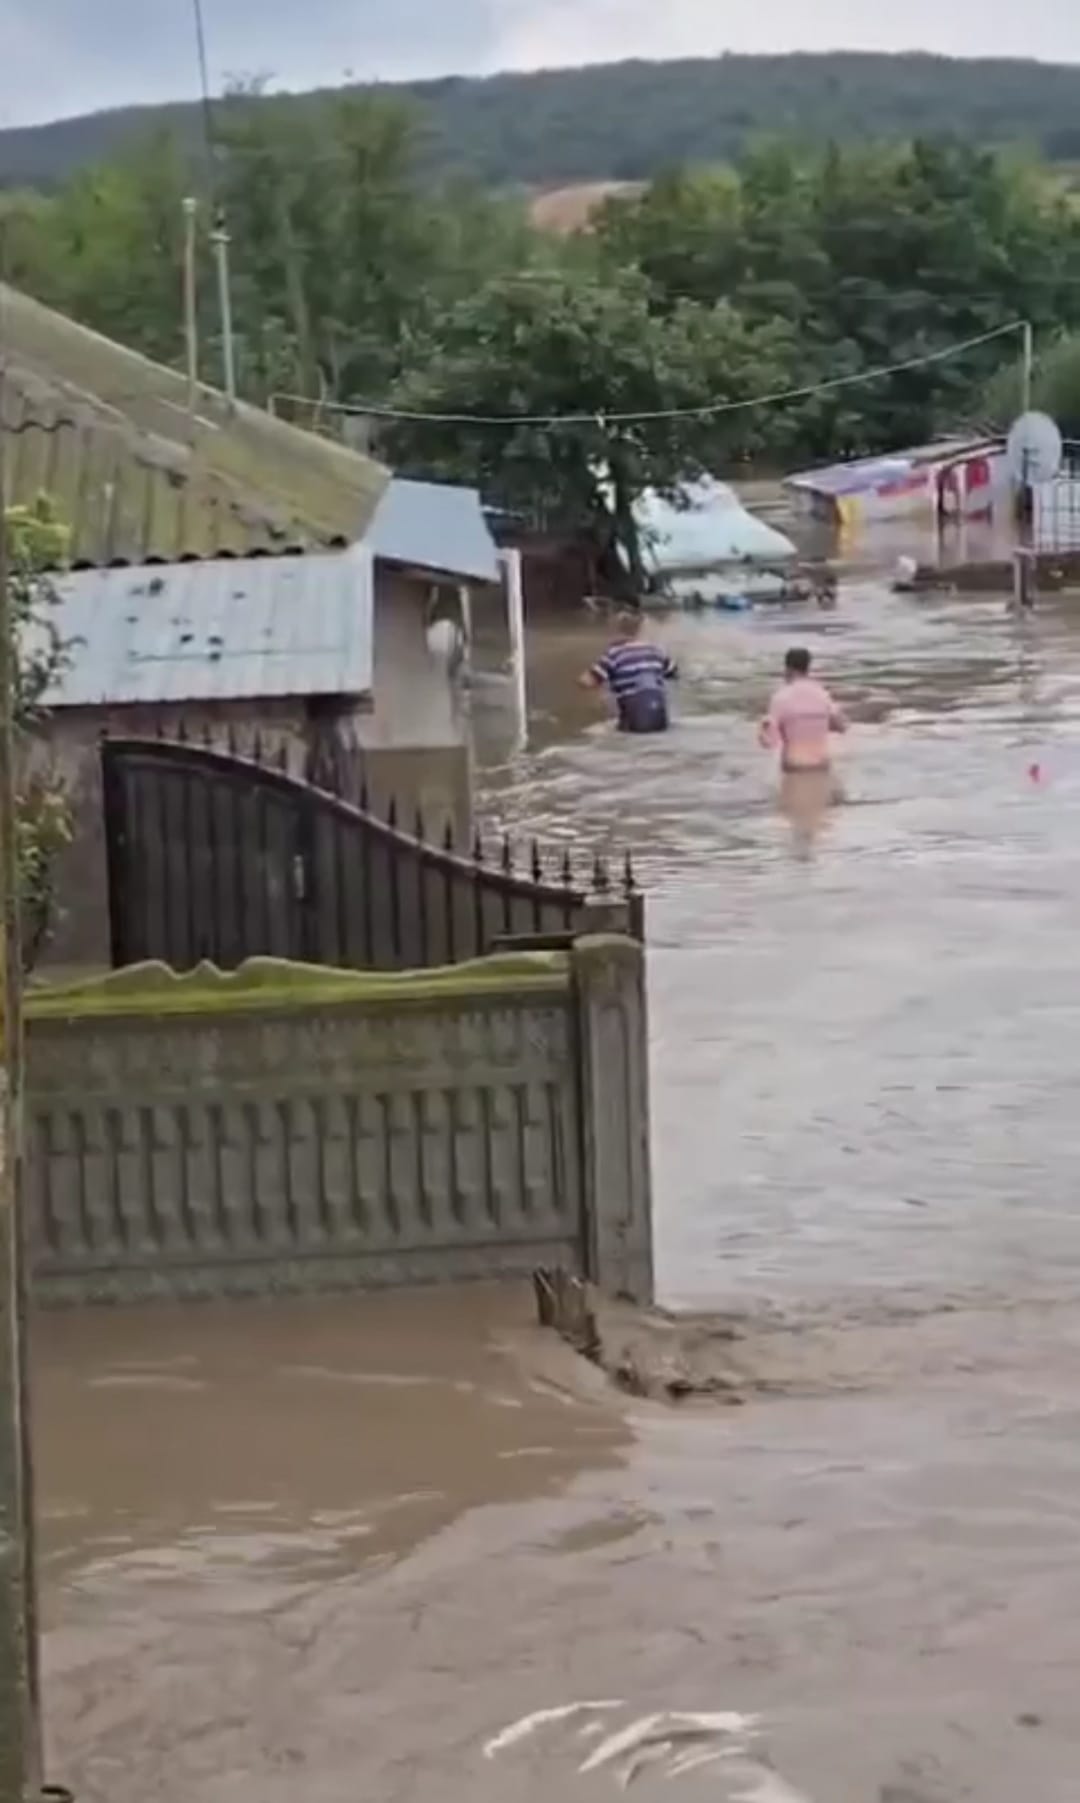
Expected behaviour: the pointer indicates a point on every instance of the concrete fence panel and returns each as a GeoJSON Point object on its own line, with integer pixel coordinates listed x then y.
{"type": "Point", "coordinates": [287, 1128]}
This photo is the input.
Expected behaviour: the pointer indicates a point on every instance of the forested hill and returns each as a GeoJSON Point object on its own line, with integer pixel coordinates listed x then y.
{"type": "Point", "coordinates": [626, 121]}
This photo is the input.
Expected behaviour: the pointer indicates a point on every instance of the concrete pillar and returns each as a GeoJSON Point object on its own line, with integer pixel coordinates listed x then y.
{"type": "Point", "coordinates": [609, 984]}
{"type": "Point", "coordinates": [603, 915]}
{"type": "Point", "coordinates": [19, 1776]}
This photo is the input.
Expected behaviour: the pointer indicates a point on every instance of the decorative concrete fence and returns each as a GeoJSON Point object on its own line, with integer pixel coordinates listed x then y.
{"type": "Point", "coordinates": [287, 1127]}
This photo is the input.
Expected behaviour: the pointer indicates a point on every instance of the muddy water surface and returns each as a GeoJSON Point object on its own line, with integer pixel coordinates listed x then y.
{"type": "Point", "coordinates": [340, 1549]}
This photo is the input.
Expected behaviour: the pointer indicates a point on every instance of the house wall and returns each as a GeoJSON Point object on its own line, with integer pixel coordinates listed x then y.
{"type": "Point", "coordinates": [413, 744]}
{"type": "Point", "coordinates": [415, 739]}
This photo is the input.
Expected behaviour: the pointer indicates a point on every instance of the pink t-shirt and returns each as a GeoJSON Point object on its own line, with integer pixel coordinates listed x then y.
{"type": "Point", "coordinates": [800, 719]}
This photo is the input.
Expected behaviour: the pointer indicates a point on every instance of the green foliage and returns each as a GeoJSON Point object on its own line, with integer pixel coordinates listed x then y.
{"type": "Point", "coordinates": [37, 543]}
{"type": "Point", "coordinates": [573, 342]}
{"type": "Point", "coordinates": [340, 255]}
{"type": "Point", "coordinates": [123, 216]}
{"type": "Point", "coordinates": [873, 257]}
{"type": "Point", "coordinates": [630, 120]}
{"type": "Point", "coordinates": [1056, 389]}
{"type": "Point", "coordinates": [355, 280]}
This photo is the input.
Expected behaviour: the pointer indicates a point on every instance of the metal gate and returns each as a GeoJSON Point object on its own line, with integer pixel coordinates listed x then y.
{"type": "Point", "coordinates": [220, 857]}
{"type": "Point", "coordinates": [1057, 509]}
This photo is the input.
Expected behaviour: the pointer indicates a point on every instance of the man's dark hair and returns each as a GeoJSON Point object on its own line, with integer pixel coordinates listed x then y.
{"type": "Point", "coordinates": [798, 662]}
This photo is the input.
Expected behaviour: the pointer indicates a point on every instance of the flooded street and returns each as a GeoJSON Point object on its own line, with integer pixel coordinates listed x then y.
{"type": "Point", "coordinates": [346, 1549]}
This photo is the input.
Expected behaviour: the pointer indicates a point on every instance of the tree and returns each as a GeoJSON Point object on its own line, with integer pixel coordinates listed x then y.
{"type": "Point", "coordinates": [1056, 389]}
{"type": "Point", "coordinates": [341, 255]}
{"type": "Point", "coordinates": [630, 120]}
{"type": "Point", "coordinates": [355, 279]}
{"type": "Point", "coordinates": [876, 256]}
{"type": "Point", "coordinates": [574, 344]}
{"type": "Point", "coordinates": [37, 543]}
{"type": "Point", "coordinates": [111, 249]}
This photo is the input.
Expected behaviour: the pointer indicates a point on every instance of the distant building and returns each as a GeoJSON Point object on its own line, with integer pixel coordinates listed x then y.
{"type": "Point", "coordinates": [953, 479]}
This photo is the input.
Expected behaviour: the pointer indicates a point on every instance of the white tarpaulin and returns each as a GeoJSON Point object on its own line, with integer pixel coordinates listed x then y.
{"type": "Point", "coordinates": [706, 529]}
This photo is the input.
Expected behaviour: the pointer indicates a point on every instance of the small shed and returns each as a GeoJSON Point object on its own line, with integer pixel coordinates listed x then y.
{"type": "Point", "coordinates": [282, 645]}
{"type": "Point", "coordinates": [955, 478]}
{"type": "Point", "coordinates": [275, 650]}
{"type": "Point", "coordinates": [433, 556]}
{"type": "Point", "coordinates": [357, 652]}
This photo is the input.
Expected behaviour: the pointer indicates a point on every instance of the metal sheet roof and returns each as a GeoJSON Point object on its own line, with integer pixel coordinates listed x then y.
{"type": "Point", "coordinates": [434, 526]}
{"type": "Point", "coordinates": [217, 631]}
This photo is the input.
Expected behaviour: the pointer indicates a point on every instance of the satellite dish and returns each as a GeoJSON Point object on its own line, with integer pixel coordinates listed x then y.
{"type": "Point", "coordinates": [1034, 451]}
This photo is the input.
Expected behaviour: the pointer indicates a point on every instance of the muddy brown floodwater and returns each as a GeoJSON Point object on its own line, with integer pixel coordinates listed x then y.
{"type": "Point", "coordinates": [388, 1550]}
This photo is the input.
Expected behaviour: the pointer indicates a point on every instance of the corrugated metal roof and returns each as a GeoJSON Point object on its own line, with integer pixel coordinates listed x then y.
{"type": "Point", "coordinates": [434, 526]}
{"type": "Point", "coordinates": [217, 631]}
{"type": "Point", "coordinates": [107, 435]}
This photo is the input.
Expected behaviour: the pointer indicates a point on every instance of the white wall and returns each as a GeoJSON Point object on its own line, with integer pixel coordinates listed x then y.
{"type": "Point", "coordinates": [418, 705]}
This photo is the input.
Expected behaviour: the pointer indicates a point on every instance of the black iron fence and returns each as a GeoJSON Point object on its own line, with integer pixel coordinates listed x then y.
{"type": "Point", "coordinates": [213, 855]}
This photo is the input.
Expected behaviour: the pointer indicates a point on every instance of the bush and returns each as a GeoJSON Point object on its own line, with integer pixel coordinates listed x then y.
{"type": "Point", "coordinates": [37, 544]}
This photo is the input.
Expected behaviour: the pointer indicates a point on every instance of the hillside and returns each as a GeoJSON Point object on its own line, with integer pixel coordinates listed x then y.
{"type": "Point", "coordinates": [624, 121]}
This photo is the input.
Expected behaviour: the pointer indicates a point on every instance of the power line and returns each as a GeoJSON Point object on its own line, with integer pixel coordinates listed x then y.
{"type": "Point", "coordinates": [708, 409]}
{"type": "Point", "coordinates": [209, 139]}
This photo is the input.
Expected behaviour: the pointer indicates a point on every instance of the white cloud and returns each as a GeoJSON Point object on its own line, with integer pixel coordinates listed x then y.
{"type": "Point", "coordinates": [551, 32]}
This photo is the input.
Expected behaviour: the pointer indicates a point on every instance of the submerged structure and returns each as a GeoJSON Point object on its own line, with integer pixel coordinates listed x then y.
{"type": "Point", "coordinates": [704, 548]}
{"type": "Point", "coordinates": [953, 479]}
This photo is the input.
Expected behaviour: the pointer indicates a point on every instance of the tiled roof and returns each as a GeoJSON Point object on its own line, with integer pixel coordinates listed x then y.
{"type": "Point", "coordinates": [106, 433]}
{"type": "Point", "coordinates": [219, 630]}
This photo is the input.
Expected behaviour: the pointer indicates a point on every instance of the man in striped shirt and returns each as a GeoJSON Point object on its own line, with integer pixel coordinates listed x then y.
{"type": "Point", "coordinates": [636, 673]}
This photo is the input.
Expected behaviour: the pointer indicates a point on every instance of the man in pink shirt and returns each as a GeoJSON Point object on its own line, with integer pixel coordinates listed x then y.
{"type": "Point", "coordinates": [801, 718]}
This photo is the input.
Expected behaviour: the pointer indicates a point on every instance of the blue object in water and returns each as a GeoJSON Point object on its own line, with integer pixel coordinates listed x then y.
{"type": "Point", "coordinates": [735, 604]}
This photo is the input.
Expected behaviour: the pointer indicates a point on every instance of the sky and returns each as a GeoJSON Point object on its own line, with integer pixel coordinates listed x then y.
{"type": "Point", "coordinates": [59, 57]}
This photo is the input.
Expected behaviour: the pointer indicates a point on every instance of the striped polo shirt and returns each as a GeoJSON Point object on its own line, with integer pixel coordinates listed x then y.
{"type": "Point", "coordinates": [632, 666]}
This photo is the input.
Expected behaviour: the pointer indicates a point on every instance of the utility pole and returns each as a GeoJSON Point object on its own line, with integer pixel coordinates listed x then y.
{"type": "Point", "coordinates": [1027, 374]}
{"type": "Point", "coordinates": [191, 304]}
{"type": "Point", "coordinates": [20, 1749]}
{"type": "Point", "coordinates": [220, 240]}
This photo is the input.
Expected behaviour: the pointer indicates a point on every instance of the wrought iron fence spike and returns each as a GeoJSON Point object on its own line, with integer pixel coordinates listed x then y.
{"type": "Point", "coordinates": [418, 829]}
{"type": "Point", "coordinates": [568, 870]}
{"type": "Point", "coordinates": [182, 731]}
{"type": "Point", "coordinates": [448, 836]}
{"type": "Point", "coordinates": [391, 812]}
{"type": "Point", "coordinates": [365, 798]}
{"type": "Point", "coordinates": [283, 757]}
{"type": "Point", "coordinates": [601, 875]}
{"type": "Point", "coordinates": [537, 863]}
{"type": "Point", "coordinates": [629, 878]}
{"type": "Point", "coordinates": [231, 740]}
{"type": "Point", "coordinates": [257, 748]}
{"type": "Point", "coordinates": [508, 854]}
{"type": "Point", "coordinates": [477, 848]}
